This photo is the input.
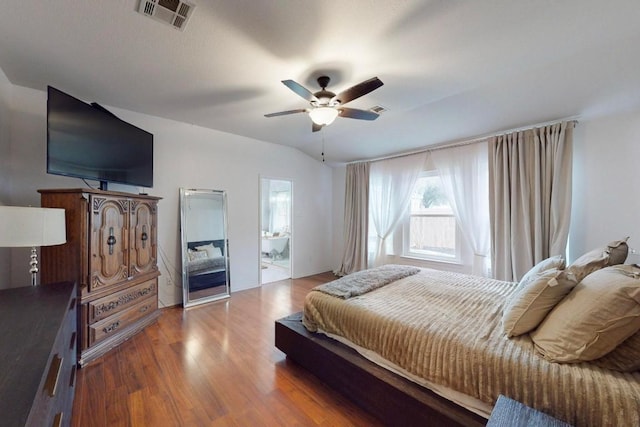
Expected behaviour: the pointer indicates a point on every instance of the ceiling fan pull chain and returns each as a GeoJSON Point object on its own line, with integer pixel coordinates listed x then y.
{"type": "Point", "coordinates": [322, 143]}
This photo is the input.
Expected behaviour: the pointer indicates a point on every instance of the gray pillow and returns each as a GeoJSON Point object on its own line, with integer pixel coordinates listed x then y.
{"type": "Point", "coordinates": [530, 305]}
{"type": "Point", "coordinates": [531, 301]}
{"type": "Point", "coordinates": [544, 265]}
{"type": "Point", "coordinates": [613, 254]}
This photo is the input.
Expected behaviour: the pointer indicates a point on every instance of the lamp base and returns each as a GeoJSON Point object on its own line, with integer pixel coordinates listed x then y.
{"type": "Point", "coordinates": [34, 266]}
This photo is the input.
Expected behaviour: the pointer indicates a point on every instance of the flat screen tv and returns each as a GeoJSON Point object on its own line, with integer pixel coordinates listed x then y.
{"type": "Point", "coordinates": [87, 141]}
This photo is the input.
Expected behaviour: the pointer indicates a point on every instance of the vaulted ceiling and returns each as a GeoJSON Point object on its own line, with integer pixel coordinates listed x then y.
{"type": "Point", "coordinates": [452, 69]}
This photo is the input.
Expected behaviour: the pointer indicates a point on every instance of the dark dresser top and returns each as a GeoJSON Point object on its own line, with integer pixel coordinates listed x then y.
{"type": "Point", "coordinates": [30, 319]}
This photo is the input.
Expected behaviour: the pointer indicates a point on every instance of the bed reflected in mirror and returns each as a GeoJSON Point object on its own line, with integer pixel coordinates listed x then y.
{"type": "Point", "coordinates": [205, 260]}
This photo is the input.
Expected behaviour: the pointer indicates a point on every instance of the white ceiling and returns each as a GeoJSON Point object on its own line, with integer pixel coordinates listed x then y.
{"type": "Point", "coordinates": [451, 69]}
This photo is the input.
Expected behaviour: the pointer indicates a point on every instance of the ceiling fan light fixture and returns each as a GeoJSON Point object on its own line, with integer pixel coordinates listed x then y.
{"type": "Point", "coordinates": [326, 105]}
{"type": "Point", "coordinates": [323, 116]}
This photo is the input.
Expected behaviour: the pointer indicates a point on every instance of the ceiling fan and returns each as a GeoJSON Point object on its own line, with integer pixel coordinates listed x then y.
{"type": "Point", "coordinates": [326, 105]}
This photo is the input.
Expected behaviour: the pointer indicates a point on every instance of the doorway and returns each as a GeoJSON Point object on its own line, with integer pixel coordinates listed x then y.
{"type": "Point", "coordinates": [275, 229]}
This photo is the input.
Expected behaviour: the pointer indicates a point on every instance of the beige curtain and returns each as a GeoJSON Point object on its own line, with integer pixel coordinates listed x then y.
{"type": "Point", "coordinates": [530, 197]}
{"type": "Point", "coordinates": [356, 214]}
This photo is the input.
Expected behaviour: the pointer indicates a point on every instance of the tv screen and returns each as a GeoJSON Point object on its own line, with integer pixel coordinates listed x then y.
{"type": "Point", "coordinates": [86, 141]}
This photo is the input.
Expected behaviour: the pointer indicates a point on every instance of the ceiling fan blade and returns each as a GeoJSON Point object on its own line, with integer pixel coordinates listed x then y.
{"type": "Point", "coordinates": [284, 113]}
{"type": "Point", "coordinates": [354, 113]}
{"type": "Point", "coordinates": [300, 90]}
{"type": "Point", "coordinates": [358, 90]}
{"type": "Point", "coordinates": [315, 127]}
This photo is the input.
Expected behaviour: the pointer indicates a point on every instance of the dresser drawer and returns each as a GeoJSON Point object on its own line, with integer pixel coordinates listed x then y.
{"type": "Point", "coordinates": [119, 321]}
{"type": "Point", "coordinates": [120, 301]}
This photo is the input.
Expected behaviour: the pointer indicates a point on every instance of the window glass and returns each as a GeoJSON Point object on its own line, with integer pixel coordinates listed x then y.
{"type": "Point", "coordinates": [280, 210]}
{"type": "Point", "coordinates": [431, 231]}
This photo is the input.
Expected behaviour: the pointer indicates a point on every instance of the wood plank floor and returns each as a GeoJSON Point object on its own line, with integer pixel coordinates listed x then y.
{"type": "Point", "coordinates": [213, 365]}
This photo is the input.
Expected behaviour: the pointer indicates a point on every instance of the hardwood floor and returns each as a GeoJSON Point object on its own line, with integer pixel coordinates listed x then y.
{"type": "Point", "coordinates": [213, 365]}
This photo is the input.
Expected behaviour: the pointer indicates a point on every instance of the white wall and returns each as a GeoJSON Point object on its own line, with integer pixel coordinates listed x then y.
{"type": "Point", "coordinates": [194, 157]}
{"type": "Point", "coordinates": [606, 178]}
{"type": "Point", "coordinates": [605, 204]}
{"type": "Point", "coordinates": [5, 149]}
{"type": "Point", "coordinates": [5, 134]}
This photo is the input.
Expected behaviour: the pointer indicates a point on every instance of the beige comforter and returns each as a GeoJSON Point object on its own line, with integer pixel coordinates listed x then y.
{"type": "Point", "coordinates": [445, 328]}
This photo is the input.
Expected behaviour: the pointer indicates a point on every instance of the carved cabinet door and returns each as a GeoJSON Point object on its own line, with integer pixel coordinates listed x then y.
{"type": "Point", "coordinates": [108, 241]}
{"type": "Point", "coordinates": [142, 237]}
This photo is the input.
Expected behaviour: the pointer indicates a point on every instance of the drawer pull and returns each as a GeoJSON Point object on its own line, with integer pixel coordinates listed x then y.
{"type": "Point", "coordinates": [51, 384]}
{"type": "Point", "coordinates": [72, 344]}
{"type": "Point", "coordinates": [143, 309]}
{"type": "Point", "coordinates": [72, 377]}
{"type": "Point", "coordinates": [57, 420]}
{"type": "Point", "coordinates": [112, 327]}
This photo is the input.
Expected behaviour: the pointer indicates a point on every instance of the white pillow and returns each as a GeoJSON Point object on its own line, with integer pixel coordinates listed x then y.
{"type": "Point", "coordinates": [209, 249]}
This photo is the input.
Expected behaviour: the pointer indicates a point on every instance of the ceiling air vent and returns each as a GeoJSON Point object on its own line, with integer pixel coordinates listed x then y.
{"type": "Point", "coordinates": [173, 12]}
{"type": "Point", "coordinates": [378, 109]}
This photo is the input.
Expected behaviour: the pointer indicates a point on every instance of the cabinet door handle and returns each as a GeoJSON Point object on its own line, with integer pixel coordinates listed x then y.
{"type": "Point", "coordinates": [52, 377]}
{"type": "Point", "coordinates": [111, 240]}
{"type": "Point", "coordinates": [144, 236]}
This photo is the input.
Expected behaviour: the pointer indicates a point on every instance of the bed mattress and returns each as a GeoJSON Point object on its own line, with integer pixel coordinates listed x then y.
{"type": "Point", "coordinates": [444, 329]}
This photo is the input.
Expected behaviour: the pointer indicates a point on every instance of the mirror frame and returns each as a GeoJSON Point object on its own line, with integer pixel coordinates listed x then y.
{"type": "Point", "coordinates": [184, 226]}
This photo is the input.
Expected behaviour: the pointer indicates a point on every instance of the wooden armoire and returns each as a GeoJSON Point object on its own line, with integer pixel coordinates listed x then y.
{"type": "Point", "coordinates": [111, 253]}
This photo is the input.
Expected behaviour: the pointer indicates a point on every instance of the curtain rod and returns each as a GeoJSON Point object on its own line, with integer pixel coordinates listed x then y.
{"type": "Point", "coordinates": [475, 140]}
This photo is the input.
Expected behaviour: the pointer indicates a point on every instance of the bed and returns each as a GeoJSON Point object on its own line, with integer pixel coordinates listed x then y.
{"type": "Point", "coordinates": [206, 265]}
{"type": "Point", "coordinates": [430, 348]}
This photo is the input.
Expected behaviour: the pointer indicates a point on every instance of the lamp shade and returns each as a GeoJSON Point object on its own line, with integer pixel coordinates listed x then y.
{"type": "Point", "coordinates": [27, 226]}
{"type": "Point", "coordinates": [323, 115]}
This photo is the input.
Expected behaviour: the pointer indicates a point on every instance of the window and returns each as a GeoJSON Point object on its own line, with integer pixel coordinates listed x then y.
{"type": "Point", "coordinates": [280, 203]}
{"type": "Point", "coordinates": [431, 231]}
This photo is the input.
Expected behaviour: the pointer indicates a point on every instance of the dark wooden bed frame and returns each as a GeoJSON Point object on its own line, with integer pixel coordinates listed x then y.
{"type": "Point", "coordinates": [389, 397]}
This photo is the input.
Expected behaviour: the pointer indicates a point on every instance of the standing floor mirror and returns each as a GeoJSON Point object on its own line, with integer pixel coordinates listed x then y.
{"type": "Point", "coordinates": [205, 257]}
